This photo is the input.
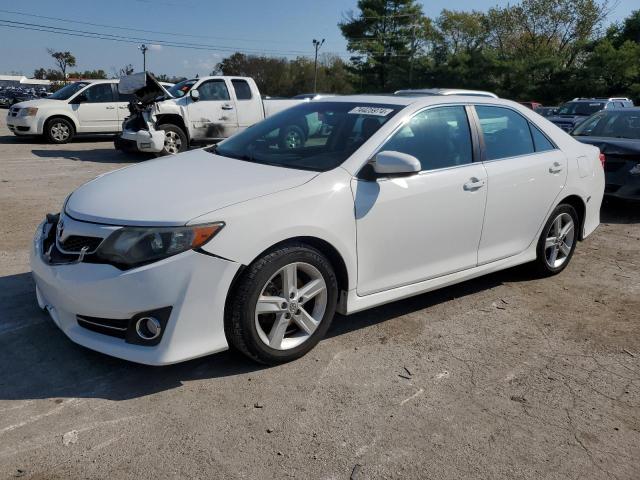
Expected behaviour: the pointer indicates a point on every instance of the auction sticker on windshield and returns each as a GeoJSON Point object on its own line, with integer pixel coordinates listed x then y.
{"type": "Point", "coordinates": [380, 112]}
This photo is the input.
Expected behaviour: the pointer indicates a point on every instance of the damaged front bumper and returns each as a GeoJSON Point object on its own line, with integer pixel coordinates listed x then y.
{"type": "Point", "coordinates": [147, 139]}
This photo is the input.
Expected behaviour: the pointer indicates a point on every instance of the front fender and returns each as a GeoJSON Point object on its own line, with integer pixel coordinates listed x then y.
{"type": "Point", "coordinates": [322, 208]}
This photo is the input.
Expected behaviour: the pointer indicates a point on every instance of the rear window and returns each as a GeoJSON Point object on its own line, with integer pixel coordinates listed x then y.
{"type": "Point", "coordinates": [581, 108]}
{"type": "Point", "coordinates": [242, 89]}
{"type": "Point", "coordinates": [616, 124]}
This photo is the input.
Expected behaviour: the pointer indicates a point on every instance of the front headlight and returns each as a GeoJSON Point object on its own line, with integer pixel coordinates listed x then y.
{"type": "Point", "coordinates": [134, 246]}
{"type": "Point", "coordinates": [28, 112]}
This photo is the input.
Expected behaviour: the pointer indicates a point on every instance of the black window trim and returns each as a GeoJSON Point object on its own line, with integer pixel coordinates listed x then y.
{"type": "Point", "coordinates": [483, 147]}
{"type": "Point", "coordinates": [475, 146]}
{"type": "Point", "coordinates": [234, 90]}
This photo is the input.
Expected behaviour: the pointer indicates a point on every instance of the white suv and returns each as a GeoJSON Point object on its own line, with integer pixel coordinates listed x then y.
{"type": "Point", "coordinates": [91, 106]}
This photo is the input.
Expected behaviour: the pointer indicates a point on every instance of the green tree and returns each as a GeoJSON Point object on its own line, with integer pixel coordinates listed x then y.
{"type": "Point", "coordinates": [63, 60]}
{"type": "Point", "coordinates": [385, 36]}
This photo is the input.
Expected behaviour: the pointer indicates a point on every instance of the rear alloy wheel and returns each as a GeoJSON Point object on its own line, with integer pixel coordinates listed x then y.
{"type": "Point", "coordinates": [558, 240]}
{"type": "Point", "coordinates": [283, 305]}
{"type": "Point", "coordinates": [175, 141]}
{"type": "Point", "coordinates": [59, 130]}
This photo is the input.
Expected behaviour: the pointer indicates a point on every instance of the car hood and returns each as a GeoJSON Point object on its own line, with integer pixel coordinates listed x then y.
{"type": "Point", "coordinates": [173, 190]}
{"type": "Point", "coordinates": [143, 86]}
{"type": "Point", "coordinates": [39, 103]}
{"type": "Point", "coordinates": [613, 146]}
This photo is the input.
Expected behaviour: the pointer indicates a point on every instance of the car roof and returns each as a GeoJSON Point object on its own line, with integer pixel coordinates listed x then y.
{"type": "Point", "coordinates": [403, 101]}
{"type": "Point", "coordinates": [445, 91]}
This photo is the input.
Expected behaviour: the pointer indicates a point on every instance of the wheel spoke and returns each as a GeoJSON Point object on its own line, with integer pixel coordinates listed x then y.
{"type": "Point", "coordinates": [276, 335]}
{"type": "Point", "coordinates": [290, 280]}
{"type": "Point", "coordinates": [557, 224]}
{"type": "Point", "coordinates": [566, 229]}
{"type": "Point", "coordinates": [549, 242]}
{"type": "Point", "coordinates": [554, 255]}
{"type": "Point", "coordinates": [565, 249]}
{"type": "Point", "coordinates": [268, 304]}
{"type": "Point", "coordinates": [305, 321]}
{"type": "Point", "coordinates": [311, 289]}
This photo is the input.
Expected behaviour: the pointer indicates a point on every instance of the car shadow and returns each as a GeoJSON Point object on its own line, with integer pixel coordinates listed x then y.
{"type": "Point", "coordinates": [618, 211]}
{"type": "Point", "coordinates": [97, 155]}
{"type": "Point", "coordinates": [37, 361]}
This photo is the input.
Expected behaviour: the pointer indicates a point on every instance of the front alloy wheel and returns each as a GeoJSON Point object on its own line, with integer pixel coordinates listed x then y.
{"type": "Point", "coordinates": [291, 306]}
{"type": "Point", "coordinates": [282, 305]}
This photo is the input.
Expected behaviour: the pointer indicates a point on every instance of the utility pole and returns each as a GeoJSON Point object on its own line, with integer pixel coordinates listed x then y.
{"type": "Point", "coordinates": [316, 44]}
{"type": "Point", "coordinates": [143, 48]}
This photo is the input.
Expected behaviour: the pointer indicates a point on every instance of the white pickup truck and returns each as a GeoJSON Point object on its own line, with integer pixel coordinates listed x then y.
{"type": "Point", "coordinates": [200, 110]}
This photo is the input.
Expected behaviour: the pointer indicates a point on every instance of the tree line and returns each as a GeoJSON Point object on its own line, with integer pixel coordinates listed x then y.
{"type": "Point", "coordinates": [543, 50]}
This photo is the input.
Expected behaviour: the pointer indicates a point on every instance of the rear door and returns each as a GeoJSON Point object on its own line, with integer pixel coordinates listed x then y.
{"type": "Point", "coordinates": [526, 173]}
{"type": "Point", "coordinates": [213, 115]}
{"type": "Point", "coordinates": [96, 109]}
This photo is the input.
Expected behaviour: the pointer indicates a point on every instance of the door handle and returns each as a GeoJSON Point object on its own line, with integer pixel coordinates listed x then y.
{"type": "Point", "coordinates": [110, 108]}
{"type": "Point", "coordinates": [227, 107]}
{"type": "Point", "coordinates": [473, 184]}
{"type": "Point", "coordinates": [555, 168]}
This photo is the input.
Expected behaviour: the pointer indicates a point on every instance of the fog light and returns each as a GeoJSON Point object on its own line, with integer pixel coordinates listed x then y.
{"type": "Point", "coordinates": [148, 328]}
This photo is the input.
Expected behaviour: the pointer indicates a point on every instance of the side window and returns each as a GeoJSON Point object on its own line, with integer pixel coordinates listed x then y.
{"type": "Point", "coordinates": [213, 90]}
{"type": "Point", "coordinates": [540, 141]}
{"type": "Point", "coordinates": [506, 133]}
{"type": "Point", "coordinates": [242, 89]}
{"type": "Point", "coordinates": [438, 137]}
{"type": "Point", "coordinates": [100, 93]}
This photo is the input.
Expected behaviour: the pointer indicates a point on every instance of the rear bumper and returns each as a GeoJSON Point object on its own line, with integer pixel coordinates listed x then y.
{"type": "Point", "coordinates": [194, 285]}
{"type": "Point", "coordinates": [624, 181]}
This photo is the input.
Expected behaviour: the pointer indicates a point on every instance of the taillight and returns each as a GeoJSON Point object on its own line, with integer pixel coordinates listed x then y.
{"type": "Point", "coordinates": [603, 159]}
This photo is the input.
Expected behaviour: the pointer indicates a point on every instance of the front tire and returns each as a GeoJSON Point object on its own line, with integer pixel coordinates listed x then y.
{"type": "Point", "coordinates": [59, 131]}
{"type": "Point", "coordinates": [175, 140]}
{"type": "Point", "coordinates": [558, 241]}
{"type": "Point", "coordinates": [283, 305]}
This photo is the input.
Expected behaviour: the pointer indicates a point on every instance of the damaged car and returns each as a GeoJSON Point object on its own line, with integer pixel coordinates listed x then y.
{"type": "Point", "coordinates": [197, 111]}
{"type": "Point", "coordinates": [617, 134]}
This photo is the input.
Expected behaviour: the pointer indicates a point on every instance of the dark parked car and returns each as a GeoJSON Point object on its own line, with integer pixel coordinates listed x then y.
{"type": "Point", "coordinates": [617, 134]}
{"type": "Point", "coordinates": [572, 113]}
{"type": "Point", "coordinates": [10, 98]}
{"type": "Point", "coordinates": [547, 111]}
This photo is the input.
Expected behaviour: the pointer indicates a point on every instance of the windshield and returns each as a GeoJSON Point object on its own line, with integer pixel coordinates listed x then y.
{"type": "Point", "coordinates": [316, 136]}
{"type": "Point", "coordinates": [65, 93]}
{"type": "Point", "coordinates": [616, 124]}
{"type": "Point", "coordinates": [580, 108]}
{"type": "Point", "coordinates": [180, 89]}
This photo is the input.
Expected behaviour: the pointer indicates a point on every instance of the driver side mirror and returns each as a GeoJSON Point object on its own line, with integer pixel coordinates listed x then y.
{"type": "Point", "coordinates": [194, 94]}
{"type": "Point", "coordinates": [391, 162]}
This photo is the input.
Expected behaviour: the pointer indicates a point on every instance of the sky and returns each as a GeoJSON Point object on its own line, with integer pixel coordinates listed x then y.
{"type": "Point", "coordinates": [272, 27]}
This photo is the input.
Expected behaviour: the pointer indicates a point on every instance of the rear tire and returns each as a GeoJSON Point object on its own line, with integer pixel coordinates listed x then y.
{"type": "Point", "coordinates": [175, 141]}
{"type": "Point", "coordinates": [557, 241]}
{"type": "Point", "coordinates": [59, 131]}
{"type": "Point", "coordinates": [268, 318]}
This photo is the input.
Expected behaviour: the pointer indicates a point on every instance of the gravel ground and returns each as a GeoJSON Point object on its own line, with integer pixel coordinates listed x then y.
{"type": "Point", "coordinates": [503, 377]}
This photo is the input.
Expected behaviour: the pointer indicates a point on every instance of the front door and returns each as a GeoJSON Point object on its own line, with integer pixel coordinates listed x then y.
{"type": "Point", "coordinates": [97, 110]}
{"type": "Point", "coordinates": [526, 174]}
{"type": "Point", "coordinates": [426, 225]}
{"type": "Point", "coordinates": [213, 115]}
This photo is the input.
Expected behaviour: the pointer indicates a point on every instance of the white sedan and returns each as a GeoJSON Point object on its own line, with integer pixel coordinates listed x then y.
{"type": "Point", "coordinates": [257, 244]}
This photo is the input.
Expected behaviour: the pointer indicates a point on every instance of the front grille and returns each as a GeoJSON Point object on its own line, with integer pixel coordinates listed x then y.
{"type": "Point", "coordinates": [75, 243]}
{"type": "Point", "coordinates": [106, 326]}
{"type": "Point", "coordinates": [14, 112]}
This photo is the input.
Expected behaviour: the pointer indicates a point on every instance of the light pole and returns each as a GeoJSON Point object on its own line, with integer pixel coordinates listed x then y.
{"type": "Point", "coordinates": [316, 44]}
{"type": "Point", "coordinates": [143, 48]}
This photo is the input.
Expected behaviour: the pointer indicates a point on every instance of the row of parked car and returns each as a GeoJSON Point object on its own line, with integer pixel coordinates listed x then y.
{"type": "Point", "coordinates": [12, 95]}
{"type": "Point", "coordinates": [154, 117]}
